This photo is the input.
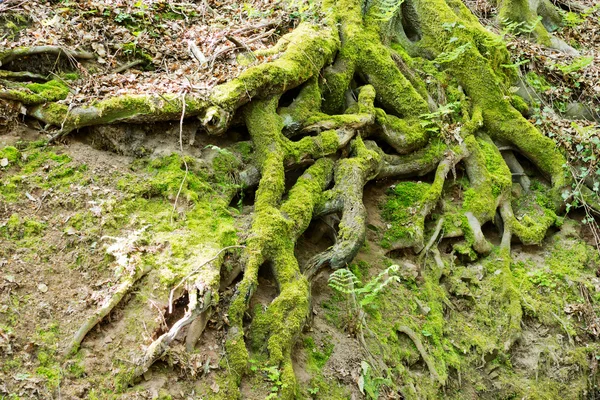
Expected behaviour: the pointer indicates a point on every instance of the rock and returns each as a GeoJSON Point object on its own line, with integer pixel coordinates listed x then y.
{"type": "Point", "coordinates": [578, 110]}
{"type": "Point", "coordinates": [42, 287]}
{"type": "Point", "coordinates": [423, 308]}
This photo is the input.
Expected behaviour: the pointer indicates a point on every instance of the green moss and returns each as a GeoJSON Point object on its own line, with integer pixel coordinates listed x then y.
{"type": "Point", "coordinates": [11, 154]}
{"type": "Point", "coordinates": [286, 72]}
{"type": "Point", "coordinates": [38, 93]}
{"type": "Point", "coordinates": [18, 229]}
{"type": "Point", "coordinates": [402, 209]}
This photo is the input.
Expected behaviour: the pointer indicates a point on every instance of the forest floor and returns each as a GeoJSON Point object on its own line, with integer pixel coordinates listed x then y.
{"type": "Point", "coordinates": [70, 213]}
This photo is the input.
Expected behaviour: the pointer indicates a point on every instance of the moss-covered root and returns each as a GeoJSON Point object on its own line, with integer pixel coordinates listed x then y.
{"type": "Point", "coordinates": [474, 57]}
{"type": "Point", "coordinates": [275, 233]}
{"type": "Point", "coordinates": [490, 180]}
{"type": "Point", "coordinates": [418, 163]}
{"type": "Point", "coordinates": [351, 175]}
{"type": "Point", "coordinates": [403, 135]}
{"type": "Point", "coordinates": [275, 230]}
{"type": "Point", "coordinates": [308, 49]}
{"type": "Point", "coordinates": [123, 288]}
{"type": "Point", "coordinates": [126, 108]}
{"type": "Point", "coordinates": [533, 17]}
{"type": "Point", "coordinates": [430, 199]}
{"type": "Point", "coordinates": [304, 106]}
{"type": "Point", "coordinates": [528, 230]}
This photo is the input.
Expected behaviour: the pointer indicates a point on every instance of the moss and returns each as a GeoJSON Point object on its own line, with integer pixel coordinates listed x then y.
{"type": "Point", "coordinates": [304, 105]}
{"type": "Point", "coordinates": [18, 229]}
{"type": "Point", "coordinates": [286, 72]}
{"type": "Point", "coordinates": [325, 143]}
{"type": "Point", "coordinates": [402, 209]}
{"type": "Point", "coordinates": [38, 93]}
{"type": "Point", "coordinates": [11, 154]}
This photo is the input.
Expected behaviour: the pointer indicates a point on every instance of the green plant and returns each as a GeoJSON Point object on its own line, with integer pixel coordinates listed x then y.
{"type": "Point", "coordinates": [577, 65]}
{"type": "Point", "coordinates": [387, 9]}
{"type": "Point", "coordinates": [513, 27]}
{"type": "Point", "coordinates": [442, 121]}
{"type": "Point", "coordinates": [273, 375]}
{"type": "Point", "coordinates": [571, 19]}
{"type": "Point", "coordinates": [370, 385]}
{"type": "Point", "coordinates": [358, 295]}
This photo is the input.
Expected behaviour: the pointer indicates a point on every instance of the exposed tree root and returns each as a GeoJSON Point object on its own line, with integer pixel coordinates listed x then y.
{"type": "Point", "coordinates": [516, 169]}
{"type": "Point", "coordinates": [22, 76]}
{"type": "Point", "coordinates": [415, 338]}
{"type": "Point", "coordinates": [351, 174]}
{"type": "Point", "coordinates": [360, 114]}
{"type": "Point", "coordinates": [11, 55]}
{"type": "Point", "coordinates": [123, 288]}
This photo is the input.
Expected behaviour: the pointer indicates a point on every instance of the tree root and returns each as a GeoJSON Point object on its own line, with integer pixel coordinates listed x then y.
{"type": "Point", "coordinates": [275, 230]}
{"type": "Point", "coordinates": [351, 175]}
{"type": "Point", "coordinates": [22, 76]}
{"type": "Point", "coordinates": [368, 93]}
{"type": "Point", "coordinates": [517, 170]}
{"type": "Point", "coordinates": [11, 55]}
{"type": "Point", "coordinates": [436, 233]}
{"type": "Point", "coordinates": [415, 338]}
{"type": "Point", "coordinates": [123, 288]}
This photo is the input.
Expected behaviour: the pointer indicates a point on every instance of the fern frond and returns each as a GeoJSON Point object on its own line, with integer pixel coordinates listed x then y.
{"type": "Point", "coordinates": [386, 9]}
{"type": "Point", "coordinates": [343, 280]}
{"type": "Point", "coordinates": [450, 56]}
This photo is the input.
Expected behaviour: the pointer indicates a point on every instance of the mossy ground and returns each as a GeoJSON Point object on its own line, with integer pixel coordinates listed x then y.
{"type": "Point", "coordinates": [60, 207]}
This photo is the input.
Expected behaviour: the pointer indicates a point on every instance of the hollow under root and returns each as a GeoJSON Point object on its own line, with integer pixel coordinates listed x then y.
{"type": "Point", "coordinates": [200, 296]}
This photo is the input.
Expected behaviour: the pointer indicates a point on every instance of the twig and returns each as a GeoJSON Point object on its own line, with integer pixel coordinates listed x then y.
{"type": "Point", "coordinates": [195, 270]}
{"type": "Point", "coordinates": [127, 66]}
{"type": "Point", "coordinates": [2, 9]}
{"type": "Point", "coordinates": [182, 156]}
{"type": "Point", "coordinates": [238, 43]}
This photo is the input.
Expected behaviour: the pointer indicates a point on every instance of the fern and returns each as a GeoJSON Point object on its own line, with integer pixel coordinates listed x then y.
{"type": "Point", "coordinates": [450, 56]}
{"type": "Point", "coordinates": [513, 27]}
{"type": "Point", "coordinates": [387, 9]}
{"type": "Point", "coordinates": [344, 281]}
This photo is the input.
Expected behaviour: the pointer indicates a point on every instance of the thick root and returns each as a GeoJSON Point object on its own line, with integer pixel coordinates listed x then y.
{"type": "Point", "coordinates": [351, 175]}
{"type": "Point", "coordinates": [11, 55]}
